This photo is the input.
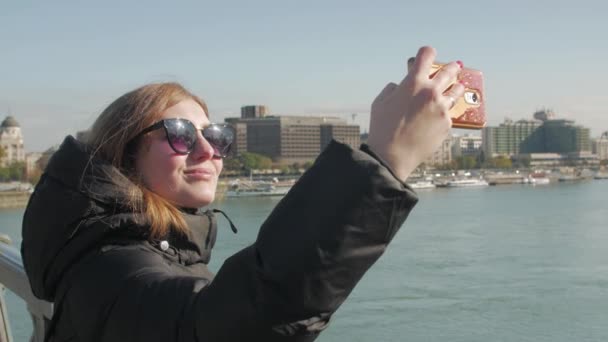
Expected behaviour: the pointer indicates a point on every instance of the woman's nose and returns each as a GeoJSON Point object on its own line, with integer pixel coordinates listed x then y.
{"type": "Point", "coordinates": [202, 149]}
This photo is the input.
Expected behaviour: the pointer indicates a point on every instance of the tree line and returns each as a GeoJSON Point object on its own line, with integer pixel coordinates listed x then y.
{"type": "Point", "coordinates": [479, 162]}
{"type": "Point", "coordinates": [246, 162]}
{"type": "Point", "coordinates": [16, 171]}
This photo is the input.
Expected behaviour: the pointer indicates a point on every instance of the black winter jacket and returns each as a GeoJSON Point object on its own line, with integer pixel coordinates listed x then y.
{"type": "Point", "coordinates": [85, 251]}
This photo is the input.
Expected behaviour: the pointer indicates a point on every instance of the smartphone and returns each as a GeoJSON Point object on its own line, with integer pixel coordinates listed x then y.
{"type": "Point", "coordinates": [469, 111]}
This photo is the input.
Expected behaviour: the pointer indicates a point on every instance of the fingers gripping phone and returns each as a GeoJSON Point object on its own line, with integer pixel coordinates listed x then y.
{"type": "Point", "coordinates": [469, 111]}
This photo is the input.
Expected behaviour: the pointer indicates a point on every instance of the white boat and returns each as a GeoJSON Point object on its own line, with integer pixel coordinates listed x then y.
{"type": "Point", "coordinates": [257, 189]}
{"type": "Point", "coordinates": [528, 180]}
{"type": "Point", "coordinates": [541, 180]}
{"type": "Point", "coordinates": [422, 185]}
{"type": "Point", "coordinates": [461, 183]}
{"type": "Point", "coordinates": [600, 175]}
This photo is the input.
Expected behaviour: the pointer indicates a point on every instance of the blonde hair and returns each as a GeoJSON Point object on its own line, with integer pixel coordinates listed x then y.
{"type": "Point", "coordinates": [110, 139]}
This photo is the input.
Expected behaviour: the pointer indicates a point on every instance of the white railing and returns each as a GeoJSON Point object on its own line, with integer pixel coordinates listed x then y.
{"type": "Point", "coordinates": [13, 277]}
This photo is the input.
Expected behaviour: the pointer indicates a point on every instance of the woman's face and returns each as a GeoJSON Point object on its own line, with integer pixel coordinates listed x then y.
{"type": "Point", "coordinates": [189, 180]}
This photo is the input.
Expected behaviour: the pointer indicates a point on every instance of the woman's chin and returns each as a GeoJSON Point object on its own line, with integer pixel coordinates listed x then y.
{"type": "Point", "coordinates": [198, 201]}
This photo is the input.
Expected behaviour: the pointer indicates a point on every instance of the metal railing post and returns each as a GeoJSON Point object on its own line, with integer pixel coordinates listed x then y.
{"type": "Point", "coordinates": [5, 327]}
{"type": "Point", "coordinates": [13, 277]}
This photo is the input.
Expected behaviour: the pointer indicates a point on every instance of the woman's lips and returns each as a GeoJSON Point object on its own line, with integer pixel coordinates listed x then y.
{"type": "Point", "coordinates": [199, 174]}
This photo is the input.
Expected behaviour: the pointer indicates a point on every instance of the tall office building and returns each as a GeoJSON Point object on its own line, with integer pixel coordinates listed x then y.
{"type": "Point", "coordinates": [249, 112]}
{"type": "Point", "coordinates": [507, 137]}
{"type": "Point", "coordinates": [240, 144]}
{"type": "Point", "coordinates": [291, 139]}
{"type": "Point", "coordinates": [558, 136]}
{"type": "Point", "coordinates": [546, 141]}
{"type": "Point", "coordinates": [344, 133]}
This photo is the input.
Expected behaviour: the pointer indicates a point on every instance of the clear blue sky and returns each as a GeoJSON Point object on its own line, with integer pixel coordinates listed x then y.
{"type": "Point", "coordinates": [62, 62]}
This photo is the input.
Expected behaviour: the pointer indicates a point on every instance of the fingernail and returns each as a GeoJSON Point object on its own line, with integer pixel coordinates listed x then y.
{"type": "Point", "coordinates": [460, 64]}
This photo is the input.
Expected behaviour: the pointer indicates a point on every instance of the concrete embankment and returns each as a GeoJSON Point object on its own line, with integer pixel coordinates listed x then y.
{"type": "Point", "coordinates": [14, 199]}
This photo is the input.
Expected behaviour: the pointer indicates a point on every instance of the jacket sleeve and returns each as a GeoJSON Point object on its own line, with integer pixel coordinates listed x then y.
{"type": "Point", "coordinates": [309, 255]}
{"type": "Point", "coordinates": [310, 252]}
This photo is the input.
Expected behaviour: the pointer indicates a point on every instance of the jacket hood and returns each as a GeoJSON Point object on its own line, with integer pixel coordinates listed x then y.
{"type": "Point", "coordinates": [81, 203]}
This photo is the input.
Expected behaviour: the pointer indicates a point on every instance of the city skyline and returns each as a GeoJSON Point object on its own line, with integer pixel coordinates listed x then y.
{"type": "Point", "coordinates": [63, 63]}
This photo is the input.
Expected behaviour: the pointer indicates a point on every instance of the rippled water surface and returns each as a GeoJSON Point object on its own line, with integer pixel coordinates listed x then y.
{"type": "Point", "coordinates": [506, 263]}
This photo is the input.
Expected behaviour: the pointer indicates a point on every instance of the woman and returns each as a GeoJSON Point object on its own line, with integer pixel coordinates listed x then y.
{"type": "Point", "coordinates": [113, 237]}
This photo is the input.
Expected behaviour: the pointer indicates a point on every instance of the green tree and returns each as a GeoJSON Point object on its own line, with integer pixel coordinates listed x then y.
{"type": "Point", "coordinates": [16, 171]}
{"type": "Point", "coordinates": [452, 165]}
{"type": "Point", "coordinates": [481, 158]}
{"type": "Point", "coordinates": [4, 174]}
{"type": "Point", "coordinates": [264, 162]}
{"type": "Point", "coordinates": [233, 164]}
{"type": "Point", "coordinates": [466, 162]}
{"type": "Point", "coordinates": [254, 161]}
{"type": "Point", "coordinates": [503, 162]}
{"type": "Point", "coordinates": [525, 161]}
{"type": "Point", "coordinates": [308, 165]}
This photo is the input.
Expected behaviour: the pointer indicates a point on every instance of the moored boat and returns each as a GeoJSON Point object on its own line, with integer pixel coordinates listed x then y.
{"type": "Point", "coordinates": [472, 182]}
{"type": "Point", "coordinates": [422, 185]}
{"type": "Point", "coordinates": [600, 175]}
{"type": "Point", "coordinates": [257, 189]}
{"type": "Point", "coordinates": [539, 178]}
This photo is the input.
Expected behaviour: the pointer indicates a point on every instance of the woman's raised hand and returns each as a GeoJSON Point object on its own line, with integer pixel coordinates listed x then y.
{"type": "Point", "coordinates": [410, 120]}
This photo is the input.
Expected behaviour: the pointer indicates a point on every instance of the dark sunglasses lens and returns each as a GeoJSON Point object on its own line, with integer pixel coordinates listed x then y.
{"type": "Point", "coordinates": [220, 137]}
{"type": "Point", "coordinates": [181, 135]}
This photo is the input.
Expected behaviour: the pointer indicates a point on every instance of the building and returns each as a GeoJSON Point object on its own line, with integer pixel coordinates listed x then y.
{"type": "Point", "coordinates": [443, 155]}
{"type": "Point", "coordinates": [467, 145]}
{"type": "Point", "coordinates": [558, 136]}
{"type": "Point", "coordinates": [249, 112]}
{"type": "Point", "coordinates": [347, 134]}
{"type": "Point", "coordinates": [31, 163]}
{"type": "Point", "coordinates": [600, 147]}
{"type": "Point", "coordinates": [505, 140]}
{"type": "Point", "coordinates": [11, 142]}
{"type": "Point", "coordinates": [291, 139]}
{"type": "Point", "coordinates": [44, 159]}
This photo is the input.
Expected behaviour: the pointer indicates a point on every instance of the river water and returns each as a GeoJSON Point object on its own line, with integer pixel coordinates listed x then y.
{"type": "Point", "coordinates": [505, 263]}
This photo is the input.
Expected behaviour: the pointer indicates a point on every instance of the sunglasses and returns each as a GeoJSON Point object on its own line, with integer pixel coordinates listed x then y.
{"type": "Point", "coordinates": [182, 137]}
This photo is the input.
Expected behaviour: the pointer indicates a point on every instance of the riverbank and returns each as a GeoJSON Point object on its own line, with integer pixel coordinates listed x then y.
{"type": "Point", "coordinates": [14, 199]}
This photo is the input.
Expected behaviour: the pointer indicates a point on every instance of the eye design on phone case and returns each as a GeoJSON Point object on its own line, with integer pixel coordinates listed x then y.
{"type": "Point", "coordinates": [471, 97]}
